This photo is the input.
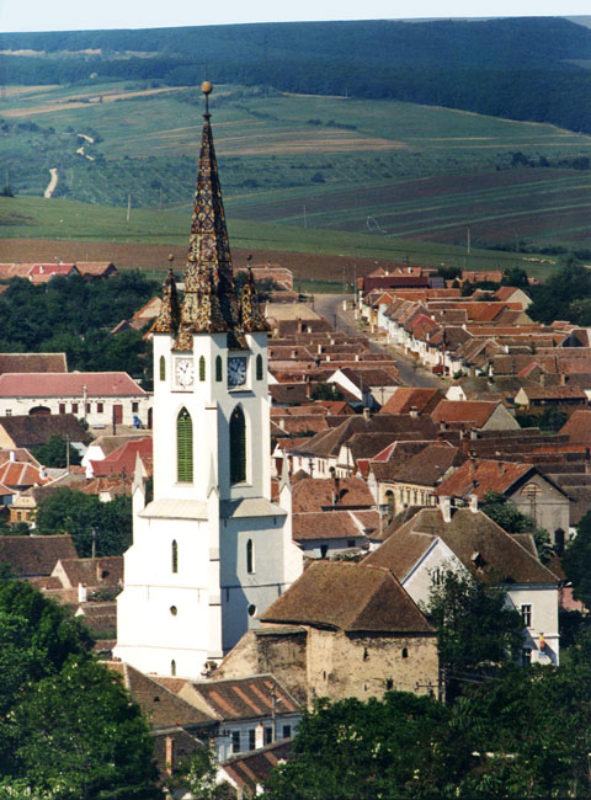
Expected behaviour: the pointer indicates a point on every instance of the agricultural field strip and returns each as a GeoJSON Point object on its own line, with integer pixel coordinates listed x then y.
{"type": "Point", "coordinates": [541, 191]}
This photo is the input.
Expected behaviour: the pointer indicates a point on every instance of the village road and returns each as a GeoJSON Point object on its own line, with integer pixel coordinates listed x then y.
{"type": "Point", "coordinates": [331, 307]}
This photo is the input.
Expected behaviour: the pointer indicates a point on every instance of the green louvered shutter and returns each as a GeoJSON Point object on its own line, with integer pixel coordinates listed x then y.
{"type": "Point", "coordinates": [184, 443]}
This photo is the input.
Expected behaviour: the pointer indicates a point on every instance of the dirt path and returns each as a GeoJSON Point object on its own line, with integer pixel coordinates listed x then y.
{"type": "Point", "coordinates": [51, 186]}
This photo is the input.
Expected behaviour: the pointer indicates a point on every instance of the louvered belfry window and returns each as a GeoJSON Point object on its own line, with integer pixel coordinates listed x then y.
{"type": "Point", "coordinates": [237, 446]}
{"type": "Point", "coordinates": [184, 447]}
{"type": "Point", "coordinates": [219, 369]}
{"type": "Point", "coordinates": [259, 367]}
{"type": "Point", "coordinates": [202, 368]}
{"type": "Point", "coordinates": [162, 368]}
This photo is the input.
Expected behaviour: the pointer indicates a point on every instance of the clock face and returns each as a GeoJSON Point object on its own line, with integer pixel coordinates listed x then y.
{"type": "Point", "coordinates": [236, 371]}
{"type": "Point", "coordinates": [184, 372]}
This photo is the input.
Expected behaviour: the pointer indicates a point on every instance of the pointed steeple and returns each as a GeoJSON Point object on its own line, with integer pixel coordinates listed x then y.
{"type": "Point", "coordinates": [211, 303]}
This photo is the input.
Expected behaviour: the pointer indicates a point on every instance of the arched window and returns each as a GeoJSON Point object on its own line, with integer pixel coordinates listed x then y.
{"type": "Point", "coordinates": [259, 367]}
{"type": "Point", "coordinates": [249, 557]}
{"type": "Point", "coordinates": [390, 503]}
{"type": "Point", "coordinates": [237, 446]}
{"type": "Point", "coordinates": [162, 368]}
{"type": "Point", "coordinates": [219, 367]}
{"type": "Point", "coordinates": [201, 368]}
{"type": "Point", "coordinates": [175, 556]}
{"type": "Point", "coordinates": [184, 447]}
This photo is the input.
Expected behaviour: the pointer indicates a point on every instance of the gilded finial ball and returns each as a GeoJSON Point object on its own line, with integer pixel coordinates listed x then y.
{"type": "Point", "coordinates": [207, 87]}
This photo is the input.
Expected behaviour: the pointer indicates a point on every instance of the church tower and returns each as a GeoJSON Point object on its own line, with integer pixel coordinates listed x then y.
{"type": "Point", "coordinates": [211, 551]}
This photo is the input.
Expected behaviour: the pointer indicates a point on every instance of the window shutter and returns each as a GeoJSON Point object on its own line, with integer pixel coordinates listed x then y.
{"type": "Point", "coordinates": [237, 446]}
{"type": "Point", "coordinates": [184, 435]}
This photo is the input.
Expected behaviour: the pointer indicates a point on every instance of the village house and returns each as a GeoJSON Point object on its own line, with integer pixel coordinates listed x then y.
{"type": "Point", "coordinates": [33, 362]}
{"type": "Point", "coordinates": [464, 540]}
{"type": "Point", "coordinates": [251, 712]}
{"type": "Point", "coordinates": [531, 492]}
{"type": "Point", "coordinates": [478, 415]}
{"type": "Point", "coordinates": [99, 398]}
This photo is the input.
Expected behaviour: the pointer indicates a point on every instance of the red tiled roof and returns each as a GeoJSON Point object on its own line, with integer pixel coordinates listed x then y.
{"type": "Point", "coordinates": [71, 384]}
{"type": "Point", "coordinates": [244, 698]}
{"type": "Point", "coordinates": [474, 411]}
{"type": "Point", "coordinates": [481, 476]}
{"type": "Point", "coordinates": [123, 459]}
{"type": "Point", "coordinates": [314, 494]}
{"type": "Point", "coordinates": [20, 474]}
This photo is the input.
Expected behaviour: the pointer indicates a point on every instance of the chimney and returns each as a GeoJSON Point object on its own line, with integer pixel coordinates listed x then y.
{"type": "Point", "coordinates": [319, 348]}
{"type": "Point", "coordinates": [12, 456]}
{"type": "Point", "coordinates": [169, 754]}
{"type": "Point", "coordinates": [82, 593]}
{"type": "Point", "coordinates": [337, 490]}
{"type": "Point", "coordinates": [473, 503]}
{"type": "Point", "coordinates": [501, 467]}
{"type": "Point", "coordinates": [259, 736]}
{"type": "Point", "coordinates": [472, 463]}
{"type": "Point", "coordinates": [366, 414]}
{"type": "Point", "coordinates": [294, 353]}
{"type": "Point", "coordinates": [414, 412]}
{"type": "Point", "coordinates": [308, 390]}
{"type": "Point", "coordinates": [445, 506]}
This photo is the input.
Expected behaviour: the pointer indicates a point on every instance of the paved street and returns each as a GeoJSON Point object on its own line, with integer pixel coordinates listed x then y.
{"type": "Point", "coordinates": [331, 307]}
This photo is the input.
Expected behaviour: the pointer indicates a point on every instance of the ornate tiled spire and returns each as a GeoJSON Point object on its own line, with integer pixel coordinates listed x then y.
{"type": "Point", "coordinates": [168, 319]}
{"type": "Point", "coordinates": [251, 317]}
{"type": "Point", "coordinates": [211, 304]}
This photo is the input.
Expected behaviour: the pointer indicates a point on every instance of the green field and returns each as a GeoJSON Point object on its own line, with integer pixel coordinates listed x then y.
{"type": "Point", "coordinates": [376, 171]}
{"type": "Point", "coordinates": [28, 220]}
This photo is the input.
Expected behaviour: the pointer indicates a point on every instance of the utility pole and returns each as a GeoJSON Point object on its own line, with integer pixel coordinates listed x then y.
{"type": "Point", "coordinates": [468, 244]}
{"type": "Point", "coordinates": [128, 208]}
{"type": "Point", "coordinates": [67, 453]}
{"type": "Point", "coordinates": [93, 545]}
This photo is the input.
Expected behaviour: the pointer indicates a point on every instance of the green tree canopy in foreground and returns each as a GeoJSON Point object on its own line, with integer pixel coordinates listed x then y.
{"type": "Point", "coordinates": [68, 730]}
{"type": "Point", "coordinates": [57, 452]}
{"type": "Point", "coordinates": [523, 735]}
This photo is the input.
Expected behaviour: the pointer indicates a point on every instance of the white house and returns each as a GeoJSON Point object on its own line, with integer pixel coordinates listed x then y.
{"type": "Point", "coordinates": [466, 541]}
{"type": "Point", "coordinates": [99, 398]}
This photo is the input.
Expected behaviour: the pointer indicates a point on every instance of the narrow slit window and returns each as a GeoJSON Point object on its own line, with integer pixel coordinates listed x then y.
{"type": "Point", "coordinates": [219, 368]}
{"type": "Point", "coordinates": [162, 368]}
{"type": "Point", "coordinates": [202, 368]}
{"type": "Point", "coordinates": [175, 556]}
{"type": "Point", "coordinates": [250, 557]}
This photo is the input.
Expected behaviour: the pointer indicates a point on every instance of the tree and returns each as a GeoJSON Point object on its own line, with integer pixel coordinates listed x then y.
{"type": "Point", "coordinates": [392, 748]}
{"type": "Point", "coordinates": [67, 727]}
{"type": "Point", "coordinates": [515, 276]}
{"type": "Point", "coordinates": [476, 629]}
{"type": "Point", "coordinates": [86, 518]}
{"type": "Point", "coordinates": [576, 559]}
{"type": "Point", "coordinates": [78, 732]}
{"type": "Point", "coordinates": [507, 516]}
{"type": "Point", "coordinates": [57, 452]}
{"type": "Point", "coordinates": [197, 774]}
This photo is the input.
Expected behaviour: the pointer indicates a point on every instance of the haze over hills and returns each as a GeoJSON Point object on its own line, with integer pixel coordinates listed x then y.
{"type": "Point", "coordinates": [391, 130]}
{"type": "Point", "coordinates": [523, 68]}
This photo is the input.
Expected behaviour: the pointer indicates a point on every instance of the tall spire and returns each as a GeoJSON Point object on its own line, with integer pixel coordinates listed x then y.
{"type": "Point", "coordinates": [211, 303]}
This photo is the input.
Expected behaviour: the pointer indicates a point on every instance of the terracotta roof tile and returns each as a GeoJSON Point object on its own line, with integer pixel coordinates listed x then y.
{"type": "Point", "coordinates": [481, 476]}
{"type": "Point", "coordinates": [71, 384]}
{"type": "Point", "coordinates": [466, 411]}
{"type": "Point", "coordinates": [314, 494]}
{"type": "Point", "coordinates": [243, 698]}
